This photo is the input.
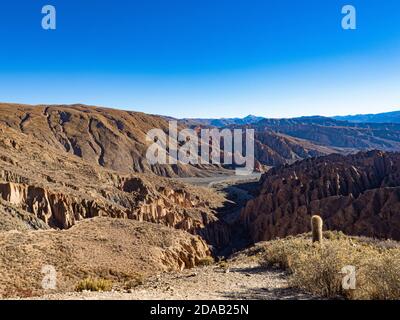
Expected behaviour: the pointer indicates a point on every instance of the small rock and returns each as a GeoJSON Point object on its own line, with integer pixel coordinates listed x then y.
{"type": "Point", "coordinates": [194, 274]}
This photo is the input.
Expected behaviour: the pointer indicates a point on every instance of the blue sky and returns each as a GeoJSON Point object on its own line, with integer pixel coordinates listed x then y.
{"type": "Point", "coordinates": [204, 58]}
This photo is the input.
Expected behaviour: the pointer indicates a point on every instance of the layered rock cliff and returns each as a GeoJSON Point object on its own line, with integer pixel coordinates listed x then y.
{"type": "Point", "coordinates": [333, 133]}
{"type": "Point", "coordinates": [274, 149]}
{"type": "Point", "coordinates": [358, 194]}
{"type": "Point", "coordinates": [61, 189]}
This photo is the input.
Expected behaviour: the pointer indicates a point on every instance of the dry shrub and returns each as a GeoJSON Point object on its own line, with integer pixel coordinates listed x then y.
{"type": "Point", "coordinates": [384, 276]}
{"type": "Point", "coordinates": [93, 284]}
{"type": "Point", "coordinates": [207, 261]}
{"type": "Point", "coordinates": [135, 282]}
{"type": "Point", "coordinates": [316, 268]}
{"type": "Point", "coordinates": [224, 265]}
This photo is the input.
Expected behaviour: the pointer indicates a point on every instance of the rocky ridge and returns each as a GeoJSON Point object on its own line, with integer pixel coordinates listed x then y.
{"type": "Point", "coordinates": [342, 136]}
{"type": "Point", "coordinates": [357, 194]}
{"type": "Point", "coordinates": [61, 189]}
{"type": "Point", "coordinates": [113, 139]}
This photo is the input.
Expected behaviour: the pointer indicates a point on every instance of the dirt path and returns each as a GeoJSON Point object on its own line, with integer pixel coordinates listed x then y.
{"type": "Point", "coordinates": [245, 280]}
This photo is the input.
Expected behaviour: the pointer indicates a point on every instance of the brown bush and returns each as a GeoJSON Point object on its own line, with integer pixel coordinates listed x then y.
{"type": "Point", "coordinates": [135, 282]}
{"type": "Point", "coordinates": [207, 261]}
{"type": "Point", "coordinates": [316, 268]}
{"type": "Point", "coordinates": [92, 284]}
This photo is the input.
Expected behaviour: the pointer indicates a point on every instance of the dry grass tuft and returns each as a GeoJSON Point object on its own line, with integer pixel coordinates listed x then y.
{"type": "Point", "coordinates": [135, 282]}
{"type": "Point", "coordinates": [207, 261]}
{"type": "Point", "coordinates": [224, 265]}
{"type": "Point", "coordinates": [93, 284]}
{"type": "Point", "coordinates": [316, 268]}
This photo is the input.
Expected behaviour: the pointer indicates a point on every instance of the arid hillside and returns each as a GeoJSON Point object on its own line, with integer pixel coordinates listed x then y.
{"type": "Point", "coordinates": [123, 251]}
{"type": "Point", "coordinates": [90, 221]}
{"type": "Point", "coordinates": [275, 149]}
{"type": "Point", "coordinates": [116, 139]}
{"type": "Point", "coordinates": [284, 141]}
{"type": "Point", "coordinates": [42, 186]}
{"type": "Point", "coordinates": [270, 148]}
{"type": "Point", "coordinates": [113, 139]}
{"type": "Point", "coordinates": [357, 194]}
{"type": "Point", "coordinates": [337, 134]}
{"type": "Point", "coordinates": [76, 194]}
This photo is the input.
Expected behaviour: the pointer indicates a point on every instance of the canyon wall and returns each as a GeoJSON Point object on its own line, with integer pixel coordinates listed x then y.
{"type": "Point", "coordinates": [169, 207]}
{"type": "Point", "coordinates": [357, 194]}
{"type": "Point", "coordinates": [61, 189]}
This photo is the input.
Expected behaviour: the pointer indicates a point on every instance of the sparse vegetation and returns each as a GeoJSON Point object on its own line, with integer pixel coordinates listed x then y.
{"type": "Point", "coordinates": [135, 282]}
{"type": "Point", "coordinates": [207, 261]}
{"type": "Point", "coordinates": [317, 269]}
{"type": "Point", "coordinates": [93, 284]}
{"type": "Point", "coordinates": [224, 265]}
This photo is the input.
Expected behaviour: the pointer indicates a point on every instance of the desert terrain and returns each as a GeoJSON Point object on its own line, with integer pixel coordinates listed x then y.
{"type": "Point", "coordinates": [77, 194]}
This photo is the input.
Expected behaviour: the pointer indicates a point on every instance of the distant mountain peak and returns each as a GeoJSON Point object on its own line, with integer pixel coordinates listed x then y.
{"type": "Point", "coordinates": [222, 122]}
{"type": "Point", "coordinates": [251, 116]}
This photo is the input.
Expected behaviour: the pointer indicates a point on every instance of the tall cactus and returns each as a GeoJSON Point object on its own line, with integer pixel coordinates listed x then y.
{"type": "Point", "coordinates": [316, 226]}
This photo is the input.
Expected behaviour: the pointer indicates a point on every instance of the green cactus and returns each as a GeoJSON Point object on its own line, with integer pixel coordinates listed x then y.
{"type": "Point", "coordinates": [316, 227]}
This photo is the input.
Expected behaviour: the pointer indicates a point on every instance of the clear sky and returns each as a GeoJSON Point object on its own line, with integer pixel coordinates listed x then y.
{"type": "Point", "coordinates": [204, 58]}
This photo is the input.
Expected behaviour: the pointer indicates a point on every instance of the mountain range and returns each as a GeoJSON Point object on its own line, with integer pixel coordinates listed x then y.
{"type": "Point", "coordinates": [116, 139]}
{"type": "Point", "coordinates": [221, 122]}
{"type": "Point", "coordinates": [386, 117]}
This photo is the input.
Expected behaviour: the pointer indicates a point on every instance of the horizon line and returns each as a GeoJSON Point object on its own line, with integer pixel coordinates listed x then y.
{"type": "Point", "coordinates": [75, 104]}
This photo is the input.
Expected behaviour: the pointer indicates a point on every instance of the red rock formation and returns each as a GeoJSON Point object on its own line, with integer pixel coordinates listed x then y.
{"type": "Point", "coordinates": [357, 194]}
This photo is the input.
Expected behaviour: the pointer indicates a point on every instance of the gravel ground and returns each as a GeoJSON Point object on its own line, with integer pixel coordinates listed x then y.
{"type": "Point", "coordinates": [245, 280]}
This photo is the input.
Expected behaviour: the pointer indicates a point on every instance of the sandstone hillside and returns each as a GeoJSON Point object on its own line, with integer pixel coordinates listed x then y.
{"type": "Point", "coordinates": [42, 186]}
{"type": "Point", "coordinates": [275, 149]}
{"type": "Point", "coordinates": [357, 194]}
{"type": "Point", "coordinates": [116, 139]}
{"type": "Point", "coordinates": [113, 139]}
{"type": "Point", "coordinates": [337, 134]}
{"type": "Point", "coordinates": [123, 251]}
